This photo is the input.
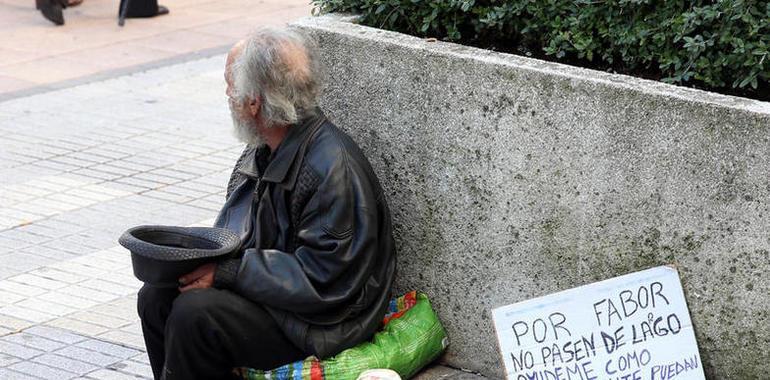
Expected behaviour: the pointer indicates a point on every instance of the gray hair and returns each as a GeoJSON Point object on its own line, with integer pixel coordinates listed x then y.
{"type": "Point", "coordinates": [279, 67]}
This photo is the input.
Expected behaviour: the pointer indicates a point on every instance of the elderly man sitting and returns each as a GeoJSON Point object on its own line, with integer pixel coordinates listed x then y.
{"type": "Point", "coordinates": [317, 258]}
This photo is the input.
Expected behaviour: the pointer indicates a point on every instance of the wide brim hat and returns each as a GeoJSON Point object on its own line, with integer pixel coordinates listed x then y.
{"type": "Point", "coordinates": [162, 254]}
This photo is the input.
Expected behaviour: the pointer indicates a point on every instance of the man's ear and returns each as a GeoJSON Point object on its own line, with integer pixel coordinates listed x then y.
{"type": "Point", "coordinates": [254, 106]}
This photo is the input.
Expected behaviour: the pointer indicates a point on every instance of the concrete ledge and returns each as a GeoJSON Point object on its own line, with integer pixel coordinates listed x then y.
{"type": "Point", "coordinates": [510, 178]}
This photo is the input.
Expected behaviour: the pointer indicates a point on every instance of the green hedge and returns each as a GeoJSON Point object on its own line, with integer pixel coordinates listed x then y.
{"type": "Point", "coordinates": [718, 45]}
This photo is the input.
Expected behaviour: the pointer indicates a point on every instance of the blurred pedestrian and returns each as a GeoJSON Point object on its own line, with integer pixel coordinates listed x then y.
{"type": "Point", "coordinates": [52, 9]}
{"type": "Point", "coordinates": [142, 8]}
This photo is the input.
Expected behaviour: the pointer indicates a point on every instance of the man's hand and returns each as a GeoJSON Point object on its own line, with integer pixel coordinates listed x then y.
{"type": "Point", "coordinates": [201, 278]}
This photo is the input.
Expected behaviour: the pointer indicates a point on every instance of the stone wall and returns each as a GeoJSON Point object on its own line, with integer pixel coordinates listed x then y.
{"type": "Point", "coordinates": [511, 178]}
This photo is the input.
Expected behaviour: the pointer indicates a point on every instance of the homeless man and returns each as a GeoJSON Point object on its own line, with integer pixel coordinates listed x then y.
{"type": "Point", "coordinates": [317, 257]}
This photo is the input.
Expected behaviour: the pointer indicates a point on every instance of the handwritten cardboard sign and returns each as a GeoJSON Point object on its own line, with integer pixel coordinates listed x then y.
{"type": "Point", "coordinates": [632, 327]}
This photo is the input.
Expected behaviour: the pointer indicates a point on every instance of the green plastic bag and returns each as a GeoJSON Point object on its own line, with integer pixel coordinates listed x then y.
{"type": "Point", "coordinates": [411, 338]}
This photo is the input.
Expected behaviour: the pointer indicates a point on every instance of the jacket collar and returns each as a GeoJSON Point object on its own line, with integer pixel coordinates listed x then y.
{"type": "Point", "coordinates": [284, 164]}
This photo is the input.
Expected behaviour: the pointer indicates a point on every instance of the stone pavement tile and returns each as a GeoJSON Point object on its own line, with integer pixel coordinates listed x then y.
{"type": "Point", "coordinates": [48, 307]}
{"type": "Point", "coordinates": [42, 370]}
{"type": "Point", "coordinates": [14, 324]}
{"type": "Point", "coordinates": [110, 374]}
{"type": "Point", "coordinates": [127, 53]}
{"type": "Point", "coordinates": [133, 368]}
{"type": "Point", "coordinates": [185, 192]}
{"type": "Point", "coordinates": [98, 174]}
{"type": "Point", "coordinates": [58, 335]}
{"type": "Point", "coordinates": [121, 308]}
{"type": "Point", "coordinates": [125, 278]}
{"type": "Point", "coordinates": [58, 206]}
{"type": "Point", "coordinates": [38, 281]}
{"type": "Point", "coordinates": [115, 155]}
{"type": "Point", "coordinates": [77, 326]}
{"type": "Point", "coordinates": [74, 248]}
{"type": "Point", "coordinates": [49, 253]}
{"type": "Point", "coordinates": [207, 205]}
{"type": "Point", "coordinates": [13, 212]}
{"type": "Point", "coordinates": [141, 183]}
{"type": "Point", "coordinates": [125, 187]}
{"type": "Point", "coordinates": [67, 300]}
{"type": "Point", "coordinates": [58, 275]}
{"type": "Point", "coordinates": [124, 338]}
{"type": "Point", "coordinates": [99, 319]}
{"type": "Point", "coordinates": [93, 260]}
{"type": "Point", "coordinates": [134, 167]}
{"type": "Point", "coordinates": [195, 184]}
{"type": "Point", "coordinates": [116, 253]}
{"type": "Point", "coordinates": [6, 360]}
{"type": "Point", "coordinates": [7, 374]}
{"type": "Point", "coordinates": [109, 287]}
{"type": "Point", "coordinates": [105, 189]}
{"type": "Point", "coordinates": [90, 157]}
{"type": "Point", "coordinates": [134, 328]}
{"type": "Point", "coordinates": [68, 364]}
{"type": "Point", "coordinates": [34, 341]}
{"type": "Point", "coordinates": [49, 70]}
{"type": "Point", "coordinates": [21, 289]}
{"type": "Point", "coordinates": [172, 197]}
{"type": "Point", "coordinates": [51, 164]}
{"type": "Point", "coordinates": [38, 229]}
{"type": "Point", "coordinates": [170, 172]}
{"type": "Point", "coordinates": [116, 170]}
{"type": "Point", "coordinates": [91, 294]}
{"type": "Point", "coordinates": [25, 313]}
{"type": "Point", "coordinates": [79, 201]}
{"type": "Point", "coordinates": [10, 83]}
{"type": "Point", "coordinates": [17, 350]}
{"type": "Point", "coordinates": [142, 358]}
{"type": "Point", "coordinates": [8, 297]}
{"type": "Point", "coordinates": [69, 160]}
{"type": "Point", "coordinates": [23, 261]}
{"type": "Point", "coordinates": [154, 177]}
{"type": "Point", "coordinates": [87, 356]}
{"type": "Point", "coordinates": [93, 239]}
{"type": "Point", "coordinates": [7, 272]}
{"type": "Point", "coordinates": [91, 195]}
{"type": "Point", "coordinates": [25, 236]}
{"type": "Point", "coordinates": [108, 348]}
{"type": "Point", "coordinates": [64, 227]}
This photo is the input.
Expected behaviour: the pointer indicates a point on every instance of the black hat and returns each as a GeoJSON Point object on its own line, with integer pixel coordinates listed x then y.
{"type": "Point", "coordinates": [162, 254]}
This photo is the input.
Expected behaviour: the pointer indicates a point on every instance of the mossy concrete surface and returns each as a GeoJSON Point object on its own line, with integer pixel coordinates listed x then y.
{"type": "Point", "coordinates": [511, 178]}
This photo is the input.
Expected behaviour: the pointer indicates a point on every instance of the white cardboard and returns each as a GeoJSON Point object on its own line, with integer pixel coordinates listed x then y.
{"type": "Point", "coordinates": [527, 332]}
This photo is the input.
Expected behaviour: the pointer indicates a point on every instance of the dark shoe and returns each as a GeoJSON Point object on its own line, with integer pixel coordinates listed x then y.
{"type": "Point", "coordinates": [51, 10]}
{"type": "Point", "coordinates": [162, 10]}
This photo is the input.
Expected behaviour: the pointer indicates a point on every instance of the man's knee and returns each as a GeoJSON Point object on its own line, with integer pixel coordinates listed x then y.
{"type": "Point", "coordinates": [153, 300]}
{"type": "Point", "coordinates": [192, 308]}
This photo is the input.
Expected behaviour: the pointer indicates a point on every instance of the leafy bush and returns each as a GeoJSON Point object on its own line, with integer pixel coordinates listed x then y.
{"type": "Point", "coordinates": [718, 45]}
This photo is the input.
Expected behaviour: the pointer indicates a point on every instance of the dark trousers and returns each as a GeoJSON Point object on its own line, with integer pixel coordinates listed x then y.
{"type": "Point", "coordinates": [205, 333]}
{"type": "Point", "coordinates": [140, 8]}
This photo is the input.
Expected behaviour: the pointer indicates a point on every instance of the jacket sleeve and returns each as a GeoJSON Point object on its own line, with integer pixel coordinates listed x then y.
{"type": "Point", "coordinates": [336, 242]}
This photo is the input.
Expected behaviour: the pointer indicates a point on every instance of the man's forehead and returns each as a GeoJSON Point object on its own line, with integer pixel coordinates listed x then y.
{"type": "Point", "coordinates": [234, 52]}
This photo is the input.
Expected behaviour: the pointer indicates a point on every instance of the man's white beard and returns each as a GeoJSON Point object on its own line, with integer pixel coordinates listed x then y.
{"type": "Point", "coordinates": [245, 130]}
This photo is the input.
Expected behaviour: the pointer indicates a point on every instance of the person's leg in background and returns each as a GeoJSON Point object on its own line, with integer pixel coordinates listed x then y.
{"type": "Point", "coordinates": [143, 8]}
{"type": "Point", "coordinates": [52, 9]}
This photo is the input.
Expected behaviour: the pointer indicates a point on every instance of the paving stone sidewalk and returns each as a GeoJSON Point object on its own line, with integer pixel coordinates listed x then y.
{"type": "Point", "coordinates": [77, 167]}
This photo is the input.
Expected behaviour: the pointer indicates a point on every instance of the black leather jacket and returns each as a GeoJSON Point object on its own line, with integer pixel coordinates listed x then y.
{"type": "Point", "coordinates": [317, 245]}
